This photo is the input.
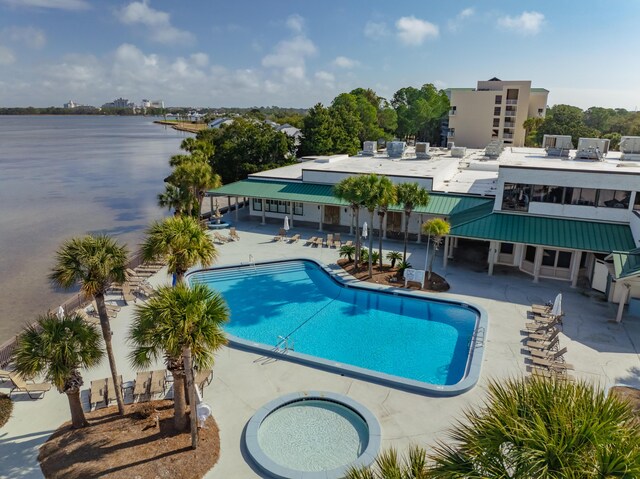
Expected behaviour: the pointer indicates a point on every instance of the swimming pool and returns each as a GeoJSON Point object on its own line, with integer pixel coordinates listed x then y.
{"type": "Point", "coordinates": [297, 305]}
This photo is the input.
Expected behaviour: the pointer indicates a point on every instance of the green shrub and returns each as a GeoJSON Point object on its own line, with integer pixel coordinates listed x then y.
{"type": "Point", "coordinates": [6, 407]}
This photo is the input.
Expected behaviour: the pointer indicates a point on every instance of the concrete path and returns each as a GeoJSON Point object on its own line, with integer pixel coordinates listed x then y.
{"type": "Point", "coordinates": [603, 352]}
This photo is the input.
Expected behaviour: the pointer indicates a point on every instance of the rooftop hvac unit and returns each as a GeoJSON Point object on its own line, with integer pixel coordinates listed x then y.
{"type": "Point", "coordinates": [494, 149]}
{"type": "Point", "coordinates": [422, 150]}
{"type": "Point", "coordinates": [395, 149]}
{"type": "Point", "coordinates": [450, 144]}
{"type": "Point", "coordinates": [592, 149]}
{"type": "Point", "coordinates": [557, 145]}
{"type": "Point", "coordinates": [369, 148]}
{"type": "Point", "coordinates": [630, 148]}
{"type": "Point", "coordinates": [458, 151]}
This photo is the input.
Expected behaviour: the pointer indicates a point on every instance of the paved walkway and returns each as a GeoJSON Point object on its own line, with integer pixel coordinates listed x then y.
{"type": "Point", "coordinates": [601, 351]}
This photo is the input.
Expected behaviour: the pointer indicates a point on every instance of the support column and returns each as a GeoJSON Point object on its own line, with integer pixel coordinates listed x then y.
{"type": "Point", "coordinates": [493, 248]}
{"type": "Point", "coordinates": [452, 243]}
{"type": "Point", "coordinates": [420, 230]}
{"type": "Point", "coordinates": [211, 203]}
{"type": "Point", "coordinates": [623, 301]}
{"type": "Point", "coordinates": [445, 252]}
{"type": "Point", "coordinates": [321, 215]}
{"type": "Point", "coordinates": [575, 268]}
{"type": "Point", "coordinates": [537, 262]}
{"type": "Point", "coordinates": [236, 209]}
{"type": "Point", "coordinates": [291, 209]}
{"type": "Point", "coordinates": [264, 211]}
{"type": "Point", "coordinates": [228, 204]}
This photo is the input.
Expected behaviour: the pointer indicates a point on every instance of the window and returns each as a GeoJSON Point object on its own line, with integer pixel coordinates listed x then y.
{"type": "Point", "coordinates": [530, 254]}
{"type": "Point", "coordinates": [556, 259]}
{"type": "Point", "coordinates": [298, 209]}
{"type": "Point", "coordinates": [496, 122]}
{"type": "Point", "coordinates": [506, 248]}
{"type": "Point", "coordinates": [257, 204]}
{"type": "Point", "coordinates": [498, 99]}
{"type": "Point", "coordinates": [496, 111]}
{"type": "Point", "coordinates": [512, 94]}
{"type": "Point", "coordinates": [581, 196]}
{"type": "Point", "coordinates": [276, 206]}
{"type": "Point", "coordinates": [548, 194]}
{"type": "Point", "coordinates": [516, 197]}
{"type": "Point", "coordinates": [636, 203]}
{"type": "Point", "coordinates": [613, 198]}
{"type": "Point", "coordinates": [549, 257]}
{"type": "Point", "coordinates": [564, 259]}
{"type": "Point", "coordinates": [540, 111]}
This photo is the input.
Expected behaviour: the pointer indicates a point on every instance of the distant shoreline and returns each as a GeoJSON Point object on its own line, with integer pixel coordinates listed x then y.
{"type": "Point", "coordinates": [182, 126]}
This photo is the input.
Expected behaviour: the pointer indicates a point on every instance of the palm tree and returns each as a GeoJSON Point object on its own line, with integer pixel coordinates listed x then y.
{"type": "Point", "coordinates": [436, 229]}
{"type": "Point", "coordinates": [93, 263]}
{"type": "Point", "coordinates": [350, 190]}
{"type": "Point", "coordinates": [180, 241]}
{"type": "Point", "coordinates": [372, 191]}
{"type": "Point", "coordinates": [59, 349]}
{"type": "Point", "coordinates": [183, 325]}
{"type": "Point", "coordinates": [393, 256]}
{"type": "Point", "coordinates": [389, 465]}
{"type": "Point", "coordinates": [175, 198]}
{"type": "Point", "coordinates": [543, 428]}
{"type": "Point", "coordinates": [386, 197]}
{"type": "Point", "coordinates": [410, 196]}
{"type": "Point", "coordinates": [347, 251]}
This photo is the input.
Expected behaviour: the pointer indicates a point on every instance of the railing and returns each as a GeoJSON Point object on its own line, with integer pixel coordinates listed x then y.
{"type": "Point", "coordinates": [509, 124]}
{"type": "Point", "coordinates": [451, 134]}
{"type": "Point", "coordinates": [76, 301]}
{"type": "Point", "coordinates": [507, 135]}
{"type": "Point", "coordinates": [512, 102]}
{"type": "Point", "coordinates": [452, 112]}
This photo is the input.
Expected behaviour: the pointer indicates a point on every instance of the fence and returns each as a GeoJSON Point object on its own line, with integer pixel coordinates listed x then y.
{"type": "Point", "coordinates": [76, 301]}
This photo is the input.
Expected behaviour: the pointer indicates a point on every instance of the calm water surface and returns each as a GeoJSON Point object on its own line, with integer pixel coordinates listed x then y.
{"type": "Point", "coordinates": [67, 176]}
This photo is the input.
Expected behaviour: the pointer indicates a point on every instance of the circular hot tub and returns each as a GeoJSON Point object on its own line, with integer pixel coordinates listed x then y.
{"type": "Point", "coordinates": [305, 434]}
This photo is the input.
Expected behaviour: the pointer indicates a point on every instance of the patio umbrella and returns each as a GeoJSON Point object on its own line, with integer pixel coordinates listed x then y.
{"type": "Point", "coordinates": [60, 313]}
{"type": "Point", "coordinates": [556, 310]}
{"type": "Point", "coordinates": [365, 230]}
{"type": "Point", "coordinates": [286, 223]}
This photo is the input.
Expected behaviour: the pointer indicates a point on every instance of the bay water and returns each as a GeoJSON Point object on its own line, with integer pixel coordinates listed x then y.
{"type": "Point", "coordinates": [66, 176]}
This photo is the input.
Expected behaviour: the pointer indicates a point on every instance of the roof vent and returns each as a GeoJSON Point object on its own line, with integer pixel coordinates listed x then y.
{"type": "Point", "coordinates": [395, 149]}
{"type": "Point", "coordinates": [592, 149]}
{"type": "Point", "coordinates": [422, 150]}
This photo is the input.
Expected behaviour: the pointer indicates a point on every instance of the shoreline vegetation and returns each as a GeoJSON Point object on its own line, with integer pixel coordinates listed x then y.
{"type": "Point", "coordinates": [183, 125]}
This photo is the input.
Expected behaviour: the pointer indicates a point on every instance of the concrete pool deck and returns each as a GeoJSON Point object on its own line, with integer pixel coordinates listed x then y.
{"type": "Point", "coordinates": [601, 351]}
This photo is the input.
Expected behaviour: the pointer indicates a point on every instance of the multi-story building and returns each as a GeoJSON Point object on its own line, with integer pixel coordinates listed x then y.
{"type": "Point", "coordinates": [495, 110]}
{"type": "Point", "coordinates": [551, 213]}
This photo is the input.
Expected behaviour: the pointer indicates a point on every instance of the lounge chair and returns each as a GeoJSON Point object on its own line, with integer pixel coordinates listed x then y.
{"type": "Point", "coordinates": [157, 382]}
{"type": "Point", "coordinates": [543, 335]}
{"type": "Point", "coordinates": [319, 242]}
{"type": "Point", "coordinates": [86, 318]}
{"type": "Point", "coordinates": [539, 326]}
{"type": "Point", "coordinates": [112, 313]}
{"type": "Point", "coordinates": [349, 243]}
{"type": "Point", "coordinates": [98, 392]}
{"type": "Point", "coordinates": [22, 386]}
{"type": "Point", "coordinates": [548, 344]}
{"type": "Point", "coordinates": [233, 234]}
{"type": "Point", "coordinates": [5, 375]}
{"type": "Point", "coordinates": [127, 294]}
{"type": "Point", "coordinates": [553, 355]}
{"type": "Point", "coordinates": [329, 242]}
{"type": "Point", "coordinates": [543, 308]}
{"type": "Point", "coordinates": [311, 241]}
{"type": "Point", "coordinates": [111, 389]}
{"type": "Point", "coordinates": [141, 384]}
{"type": "Point", "coordinates": [138, 274]}
{"type": "Point", "coordinates": [550, 373]}
{"type": "Point", "coordinates": [336, 241]}
{"type": "Point", "coordinates": [551, 364]}
{"type": "Point", "coordinates": [203, 378]}
{"type": "Point", "coordinates": [294, 239]}
{"type": "Point", "coordinates": [146, 289]}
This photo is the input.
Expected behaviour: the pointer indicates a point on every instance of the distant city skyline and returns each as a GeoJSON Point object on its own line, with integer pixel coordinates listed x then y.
{"type": "Point", "coordinates": [295, 54]}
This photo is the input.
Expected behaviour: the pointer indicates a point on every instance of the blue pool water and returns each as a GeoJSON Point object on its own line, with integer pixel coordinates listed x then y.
{"type": "Point", "coordinates": [409, 337]}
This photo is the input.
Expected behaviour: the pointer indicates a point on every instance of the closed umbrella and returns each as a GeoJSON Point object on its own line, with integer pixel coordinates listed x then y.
{"type": "Point", "coordinates": [286, 223]}
{"type": "Point", "coordinates": [556, 310]}
{"type": "Point", "coordinates": [365, 230]}
{"type": "Point", "coordinates": [60, 313]}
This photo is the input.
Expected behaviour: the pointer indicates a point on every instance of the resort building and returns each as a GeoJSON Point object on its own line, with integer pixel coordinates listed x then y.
{"type": "Point", "coordinates": [495, 110]}
{"type": "Point", "coordinates": [559, 217]}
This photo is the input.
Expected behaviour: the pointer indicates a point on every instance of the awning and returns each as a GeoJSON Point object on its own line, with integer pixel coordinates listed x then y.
{"type": "Point", "coordinates": [440, 204]}
{"type": "Point", "coordinates": [565, 233]}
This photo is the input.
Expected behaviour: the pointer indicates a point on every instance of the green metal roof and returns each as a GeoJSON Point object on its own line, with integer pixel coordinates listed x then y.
{"type": "Point", "coordinates": [626, 263]}
{"type": "Point", "coordinates": [440, 204]}
{"type": "Point", "coordinates": [539, 230]}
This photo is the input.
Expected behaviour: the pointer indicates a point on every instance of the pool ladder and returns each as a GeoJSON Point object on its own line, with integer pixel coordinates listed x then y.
{"type": "Point", "coordinates": [252, 262]}
{"type": "Point", "coordinates": [283, 345]}
{"type": "Point", "coordinates": [478, 338]}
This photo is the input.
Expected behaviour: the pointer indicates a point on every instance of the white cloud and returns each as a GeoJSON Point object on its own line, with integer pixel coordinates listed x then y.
{"type": "Point", "coordinates": [344, 62]}
{"type": "Point", "coordinates": [157, 22]}
{"type": "Point", "coordinates": [296, 23]}
{"type": "Point", "coordinates": [200, 59]}
{"type": "Point", "coordinates": [527, 23]}
{"type": "Point", "coordinates": [414, 31]}
{"type": "Point", "coordinates": [325, 76]}
{"type": "Point", "coordinates": [30, 36]}
{"type": "Point", "coordinates": [6, 56]}
{"type": "Point", "coordinates": [375, 30]}
{"type": "Point", "coordinates": [288, 58]}
{"type": "Point", "coordinates": [54, 4]}
{"type": "Point", "coordinates": [455, 23]}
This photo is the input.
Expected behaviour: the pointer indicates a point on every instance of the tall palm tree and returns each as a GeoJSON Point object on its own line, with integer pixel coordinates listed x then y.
{"type": "Point", "coordinates": [389, 465]}
{"type": "Point", "coordinates": [410, 196]}
{"type": "Point", "coordinates": [350, 190]}
{"type": "Point", "coordinates": [183, 325]}
{"type": "Point", "coordinates": [93, 263]}
{"type": "Point", "coordinates": [182, 242]}
{"type": "Point", "coordinates": [59, 349]}
{"type": "Point", "coordinates": [436, 229]}
{"type": "Point", "coordinates": [543, 428]}
{"type": "Point", "coordinates": [386, 196]}
{"type": "Point", "coordinates": [196, 176]}
{"type": "Point", "coordinates": [178, 199]}
{"type": "Point", "coordinates": [377, 190]}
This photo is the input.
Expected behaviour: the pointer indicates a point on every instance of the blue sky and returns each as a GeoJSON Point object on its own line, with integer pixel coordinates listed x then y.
{"type": "Point", "coordinates": [296, 53]}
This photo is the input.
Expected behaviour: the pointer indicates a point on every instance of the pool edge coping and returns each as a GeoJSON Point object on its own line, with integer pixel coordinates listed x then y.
{"type": "Point", "coordinates": [474, 360]}
{"type": "Point", "coordinates": [267, 465]}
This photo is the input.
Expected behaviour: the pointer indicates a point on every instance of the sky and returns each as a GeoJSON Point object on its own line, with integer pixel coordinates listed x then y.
{"type": "Point", "coordinates": [215, 53]}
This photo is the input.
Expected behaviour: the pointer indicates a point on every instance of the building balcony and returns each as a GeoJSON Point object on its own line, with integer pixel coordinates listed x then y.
{"type": "Point", "coordinates": [509, 124]}
{"type": "Point", "coordinates": [452, 112]}
{"type": "Point", "coordinates": [507, 136]}
{"type": "Point", "coordinates": [512, 102]}
{"type": "Point", "coordinates": [451, 134]}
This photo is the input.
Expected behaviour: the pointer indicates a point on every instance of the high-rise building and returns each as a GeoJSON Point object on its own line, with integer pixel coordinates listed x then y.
{"type": "Point", "coordinates": [495, 110]}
